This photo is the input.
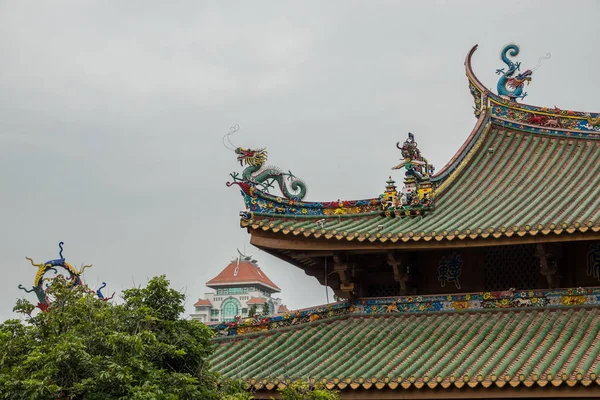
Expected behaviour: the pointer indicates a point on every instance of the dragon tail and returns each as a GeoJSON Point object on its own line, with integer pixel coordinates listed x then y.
{"type": "Point", "coordinates": [511, 49]}
{"type": "Point", "coordinates": [294, 189]}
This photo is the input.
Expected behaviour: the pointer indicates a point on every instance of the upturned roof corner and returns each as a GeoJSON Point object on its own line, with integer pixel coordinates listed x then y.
{"type": "Point", "coordinates": [495, 186]}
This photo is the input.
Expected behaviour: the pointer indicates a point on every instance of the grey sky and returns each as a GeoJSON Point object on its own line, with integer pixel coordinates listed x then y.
{"type": "Point", "coordinates": [112, 113]}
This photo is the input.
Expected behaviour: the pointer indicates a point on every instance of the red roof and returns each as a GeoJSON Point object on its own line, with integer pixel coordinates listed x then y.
{"type": "Point", "coordinates": [203, 302]}
{"type": "Point", "coordinates": [282, 308]}
{"type": "Point", "coordinates": [242, 272]}
{"type": "Point", "coordinates": [257, 300]}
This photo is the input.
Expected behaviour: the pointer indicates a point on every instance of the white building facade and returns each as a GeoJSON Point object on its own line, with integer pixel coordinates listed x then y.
{"type": "Point", "coordinates": [239, 286]}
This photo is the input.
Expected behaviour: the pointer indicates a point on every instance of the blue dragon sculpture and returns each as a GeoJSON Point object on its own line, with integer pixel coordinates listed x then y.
{"type": "Point", "coordinates": [39, 287]}
{"type": "Point", "coordinates": [511, 85]}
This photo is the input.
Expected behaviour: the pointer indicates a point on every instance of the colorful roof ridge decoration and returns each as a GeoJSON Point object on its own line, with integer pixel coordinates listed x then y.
{"type": "Point", "coordinates": [519, 174]}
{"type": "Point", "coordinates": [422, 304]}
{"type": "Point", "coordinates": [242, 270]}
{"type": "Point", "coordinates": [41, 278]}
{"type": "Point", "coordinates": [490, 348]}
{"type": "Point", "coordinates": [544, 120]}
{"type": "Point", "coordinates": [203, 303]}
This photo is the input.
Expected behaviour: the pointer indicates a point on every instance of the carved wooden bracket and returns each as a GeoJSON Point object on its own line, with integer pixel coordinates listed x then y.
{"type": "Point", "coordinates": [548, 264]}
{"type": "Point", "coordinates": [345, 271]}
{"type": "Point", "coordinates": [400, 276]}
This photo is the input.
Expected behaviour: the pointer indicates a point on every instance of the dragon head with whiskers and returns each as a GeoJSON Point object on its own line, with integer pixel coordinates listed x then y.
{"type": "Point", "coordinates": [520, 79]}
{"type": "Point", "coordinates": [251, 157]}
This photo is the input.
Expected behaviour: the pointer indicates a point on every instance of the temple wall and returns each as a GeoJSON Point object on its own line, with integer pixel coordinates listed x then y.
{"type": "Point", "coordinates": [481, 269]}
{"type": "Point", "coordinates": [578, 256]}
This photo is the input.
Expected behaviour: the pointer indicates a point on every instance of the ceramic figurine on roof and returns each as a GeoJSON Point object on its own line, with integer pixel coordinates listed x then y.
{"type": "Point", "coordinates": [390, 199]}
{"type": "Point", "coordinates": [416, 198]}
{"type": "Point", "coordinates": [264, 176]}
{"type": "Point", "coordinates": [509, 85]}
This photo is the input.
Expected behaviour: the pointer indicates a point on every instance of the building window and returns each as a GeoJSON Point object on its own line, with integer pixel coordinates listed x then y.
{"type": "Point", "coordinates": [231, 308]}
{"type": "Point", "coordinates": [245, 290]}
{"type": "Point", "coordinates": [214, 313]}
{"type": "Point", "coordinates": [244, 311]}
{"type": "Point", "coordinates": [510, 267]}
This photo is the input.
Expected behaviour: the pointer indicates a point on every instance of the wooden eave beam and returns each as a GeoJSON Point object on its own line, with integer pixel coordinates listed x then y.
{"type": "Point", "coordinates": [479, 392]}
{"type": "Point", "coordinates": [269, 240]}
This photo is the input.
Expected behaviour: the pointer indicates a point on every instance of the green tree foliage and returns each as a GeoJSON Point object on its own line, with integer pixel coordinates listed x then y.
{"type": "Point", "coordinates": [86, 348]}
{"type": "Point", "coordinates": [234, 390]}
{"type": "Point", "coordinates": [265, 309]}
{"type": "Point", "coordinates": [252, 311]}
{"type": "Point", "coordinates": [301, 390]}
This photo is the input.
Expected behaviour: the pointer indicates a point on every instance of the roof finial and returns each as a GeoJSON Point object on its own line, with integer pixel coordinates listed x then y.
{"type": "Point", "coordinates": [510, 85]}
{"type": "Point", "coordinates": [244, 257]}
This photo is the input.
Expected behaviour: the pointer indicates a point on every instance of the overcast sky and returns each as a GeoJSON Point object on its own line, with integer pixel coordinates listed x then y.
{"type": "Point", "coordinates": [112, 113]}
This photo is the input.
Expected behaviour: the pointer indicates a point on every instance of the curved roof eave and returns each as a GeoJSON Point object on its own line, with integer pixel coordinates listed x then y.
{"type": "Point", "coordinates": [498, 119]}
{"type": "Point", "coordinates": [493, 109]}
{"type": "Point", "coordinates": [478, 91]}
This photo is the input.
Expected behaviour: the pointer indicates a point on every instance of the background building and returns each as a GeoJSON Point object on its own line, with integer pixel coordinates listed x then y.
{"type": "Point", "coordinates": [239, 286]}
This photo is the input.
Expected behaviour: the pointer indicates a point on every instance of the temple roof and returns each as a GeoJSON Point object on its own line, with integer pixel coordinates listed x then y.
{"type": "Point", "coordinates": [240, 272]}
{"type": "Point", "coordinates": [444, 350]}
{"type": "Point", "coordinates": [513, 183]}
{"type": "Point", "coordinates": [524, 172]}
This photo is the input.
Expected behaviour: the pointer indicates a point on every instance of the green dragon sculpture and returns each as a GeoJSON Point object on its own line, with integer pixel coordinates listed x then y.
{"type": "Point", "coordinates": [265, 176]}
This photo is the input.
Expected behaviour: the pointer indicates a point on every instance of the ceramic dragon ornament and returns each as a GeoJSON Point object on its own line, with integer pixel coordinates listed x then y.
{"type": "Point", "coordinates": [511, 84]}
{"type": "Point", "coordinates": [263, 176]}
{"type": "Point", "coordinates": [41, 278]}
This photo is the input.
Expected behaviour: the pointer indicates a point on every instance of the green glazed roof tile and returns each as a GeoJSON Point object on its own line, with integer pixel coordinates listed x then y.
{"type": "Point", "coordinates": [447, 349]}
{"type": "Point", "coordinates": [512, 180]}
